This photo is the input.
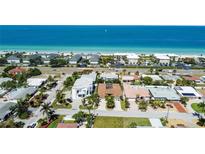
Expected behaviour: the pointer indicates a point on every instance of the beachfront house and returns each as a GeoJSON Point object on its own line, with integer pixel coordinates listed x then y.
{"type": "Point", "coordinates": [13, 59]}
{"type": "Point", "coordinates": [132, 59]}
{"type": "Point", "coordinates": [163, 60]}
{"type": "Point", "coordinates": [186, 91]}
{"type": "Point", "coordinates": [163, 93]}
{"type": "Point", "coordinates": [94, 59]}
{"type": "Point", "coordinates": [75, 59]}
{"type": "Point", "coordinates": [26, 60]}
{"type": "Point", "coordinates": [84, 86]}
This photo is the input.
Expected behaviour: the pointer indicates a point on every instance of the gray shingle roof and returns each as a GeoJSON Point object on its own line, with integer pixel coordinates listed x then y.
{"type": "Point", "coordinates": [12, 57]}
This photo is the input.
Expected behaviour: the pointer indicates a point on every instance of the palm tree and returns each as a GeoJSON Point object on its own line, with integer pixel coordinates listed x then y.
{"type": "Point", "coordinates": [46, 109]}
{"type": "Point", "coordinates": [20, 109]}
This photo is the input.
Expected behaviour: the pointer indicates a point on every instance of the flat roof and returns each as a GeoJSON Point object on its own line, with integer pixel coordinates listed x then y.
{"type": "Point", "coordinates": [35, 81]}
{"type": "Point", "coordinates": [164, 92]}
{"type": "Point", "coordinates": [187, 91]}
{"type": "Point", "coordinates": [128, 77]}
{"type": "Point", "coordinates": [131, 91]}
{"type": "Point", "coordinates": [170, 77]}
{"type": "Point", "coordinates": [162, 56]}
{"type": "Point", "coordinates": [132, 56]}
{"type": "Point", "coordinates": [85, 80]}
{"type": "Point", "coordinates": [111, 75]}
{"type": "Point", "coordinates": [4, 108]}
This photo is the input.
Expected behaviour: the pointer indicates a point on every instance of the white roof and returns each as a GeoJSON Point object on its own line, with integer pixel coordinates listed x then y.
{"type": "Point", "coordinates": [35, 81]}
{"type": "Point", "coordinates": [162, 56]}
{"type": "Point", "coordinates": [109, 75]}
{"type": "Point", "coordinates": [156, 123]}
{"type": "Point", "coordinates": [187, 91]}
{"type": "Point", "coordinates": [85, 80]}
{"type": "Point", "coordinates": [132, 56]}
{"type": "Point", "coordinates": [127, 77]}
{"type": "Point", "coordinates": [154, 77]}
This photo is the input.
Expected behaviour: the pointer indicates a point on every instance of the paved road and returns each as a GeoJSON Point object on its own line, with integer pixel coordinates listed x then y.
{"type": "Point", "coordinates": [172, 115]}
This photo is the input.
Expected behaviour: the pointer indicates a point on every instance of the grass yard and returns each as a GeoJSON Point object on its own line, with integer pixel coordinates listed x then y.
{"type": "Point", "coordinates": [54, 124]}
{"type": "Point", "coordinates": [61, 106]}
{"type": "Point", "coordinates": [197, 108]}
{"type": "Point", "coordinates": [119, 122]}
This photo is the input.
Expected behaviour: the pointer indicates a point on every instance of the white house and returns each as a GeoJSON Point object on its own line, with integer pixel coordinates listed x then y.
{"type": "Point", "coordinates": [83, 86]}
{"type": "Point", "coordinates": [132, 58]}
{"type": "Point", "coordinates": [186, 91]}
{"type": "Point", "coordinates": [109, 76]}
{"type": "Point", "coordinates": [163, 59]}
{"type": "Point", "coordinates": [75, 59]}
{"type": "Point", "coordinates": [13, 59]}
{"type": "Point", "coordinates": [35, 82]}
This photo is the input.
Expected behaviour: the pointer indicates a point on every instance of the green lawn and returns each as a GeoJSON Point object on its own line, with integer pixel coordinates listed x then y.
{"type": "Point", "coordinates": [60, 106]}
{"type": "Point", "coordinates": [54, 124]}
{"type": "Point", "coordinates": [119, 122]}
{"type": "Point", "coordinates": [197, 108]}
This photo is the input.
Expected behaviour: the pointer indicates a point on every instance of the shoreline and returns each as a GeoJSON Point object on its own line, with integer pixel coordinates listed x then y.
{"type": "Point", "coordinates": [103, 50]}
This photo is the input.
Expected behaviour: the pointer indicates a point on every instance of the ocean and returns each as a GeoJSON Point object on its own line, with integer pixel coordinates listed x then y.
{"type": "Point", "coordinates": [189, 40]}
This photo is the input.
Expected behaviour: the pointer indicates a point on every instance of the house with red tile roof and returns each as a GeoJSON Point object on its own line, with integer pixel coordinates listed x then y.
{"type": "Point", "coordinates": [192, 78]}
{"type": "Point", "coordinates": [17, 70]}
{"type": "Point", "coordinates": [67, 125]}
{"type": "Point", "coordinates": [109, 89]}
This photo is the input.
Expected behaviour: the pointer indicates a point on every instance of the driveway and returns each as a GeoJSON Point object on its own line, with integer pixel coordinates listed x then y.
{"type": "Point", "coordinates": [117, 106]}
{"type": "Point", "coordinates": [102, 105]}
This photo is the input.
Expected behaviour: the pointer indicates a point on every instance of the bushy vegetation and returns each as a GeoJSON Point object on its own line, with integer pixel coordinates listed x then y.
{"type": "Point", "coordinates": [110, 102]}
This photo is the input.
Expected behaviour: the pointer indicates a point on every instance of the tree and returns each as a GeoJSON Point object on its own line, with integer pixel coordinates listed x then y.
{"type": "Point", "coordinates": [9, 85]}
{"type": "Point", "coordinates": [8, 68]}
{"type": "Point", "coordinates": [3, 61]}
{"type": "Point", "coordinates": [202, 106]}
{"type": "Point", "coordinates": [79, 117]}
{"type": "Point", "coordinates": [147, 80]}
{"type": "Point", "coordinates": [151, 70]}
{"type": "Point", "coordinates": [20, 109]}
{"type": "Point", "coordinates": [50, 78]}
{"type": "Point", "coordinates": [110, 103]}
{"type": "Point", "coordinates": [47, 110]}
{"type": "Point", "coordinates": [184, 100]}
{"type": "Point", "coordinates": [36, 60]}
{"type": "Point", "coordinates": [127, 104]}
{"type": "Point", "coordinates": [132, 125]}
{"type": "Point", "coordinates": [58, 62]}
{"type": "Point", "coordinates": [68, 82]}
{"type": "Point", "coordinates": [33, 72]}
{"type": "Point", "coordinates": [142, 105]}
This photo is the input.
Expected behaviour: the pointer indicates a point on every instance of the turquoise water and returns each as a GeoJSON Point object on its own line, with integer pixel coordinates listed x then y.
{"type": "Point", "coordinates": [105, 39]}
{"type": "Point", "coordinates": [92, 49]}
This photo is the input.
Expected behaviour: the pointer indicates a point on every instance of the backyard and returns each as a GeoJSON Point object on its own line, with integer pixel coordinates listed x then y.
{"type": "Point", "coordinates": [119, 122]}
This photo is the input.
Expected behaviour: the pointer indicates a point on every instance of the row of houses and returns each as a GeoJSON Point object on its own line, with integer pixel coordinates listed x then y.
{"type": "Point", "coordinates": [20, 93]}
{"type": "Point", "coordinates": [86, 84]}
{"type": "Point", "coordinates": [72, 59]}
